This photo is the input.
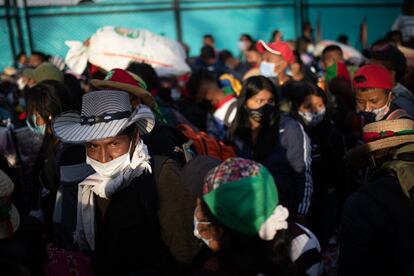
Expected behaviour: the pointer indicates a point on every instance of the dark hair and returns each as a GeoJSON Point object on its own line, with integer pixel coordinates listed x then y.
{"type": "Point", "coordinates": [299, 47]}
{"type": "Point", "coordinates": [252, 42]}
{"type": "Point", "coordinates": [224, 55]}
{"type": "Point", "coordinates": [248, 37]}
{"type": "Point", "coordinates": [296, 93]}
{"type": "Point", "coordinates": [382, 43]}
{"type": "Point", "coordinates": [343, 39]}
{"type": "Point", "coordinates": [391, 35]}
{"type": "Point", "coordinates": [241, 124]}
{"type": "Point", "coordinates": [274, 33]}
{"type": "Point", "coordinates": [392, 59]}
{"type": "Point", "coordinates": [199, 82]}
{"type": "Point", "coordinates": [41, 55]}
{"type": "Point", "coordinates": [251, 254]}
{"type": "Point", "coordinates": [146, 72]}
{"type": "Point", "coordinates": [19, 55]}
{"type": "Point", "coordinates": [48, 98]}
{"type": "Point", "coordinates": [407, 7]}
{"type": "Point", "coordinates": [208, 36]}
{"type": "Point", "coordinates": [207, 52]}
{"type": "Point", "coordinates": [332, 48]}
{"type": "Point", "coordinates": [130, 131]}
{"type": "Point", "coordinates": [75, 90]}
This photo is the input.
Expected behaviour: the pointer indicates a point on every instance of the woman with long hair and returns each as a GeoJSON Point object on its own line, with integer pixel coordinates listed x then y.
{"type": "Point", "coordinates": [55, 162]}
{"type": "Point", "coordinates": [308, 104]}
{"type": "Point", "coordinates": [278, 141]}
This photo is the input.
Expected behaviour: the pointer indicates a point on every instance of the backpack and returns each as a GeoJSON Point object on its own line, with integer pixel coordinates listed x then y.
{"type": "Point", "coordinates": [401, 166]}
{"type": "Point", "coordinates": [400, 205]}
{"type": "Point", "coordinates": [178, 186]}
{"type": "Point", "coordinates": [203, 144]}
{"type": "Point", "coordinates": [401, 211]}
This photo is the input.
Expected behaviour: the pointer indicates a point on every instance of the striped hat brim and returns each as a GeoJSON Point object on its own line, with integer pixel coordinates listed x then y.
{"type": "Point", "coordinates": [67, 126]}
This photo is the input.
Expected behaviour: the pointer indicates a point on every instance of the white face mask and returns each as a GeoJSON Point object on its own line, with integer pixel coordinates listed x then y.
{"type": "Point", "coordinates": [112, 167]}
{"type": "Point", "coordinates": [196, 233]}
{"type": "Point", "coordinates": [21, 83]}
{"type": "Point", "coordinates": [381, 112]}
{"type": "Point", "coordinates": [312, 119]}
{"type": "Point", "coordinates": [267, 69]}
{"type": "Point", "coordinates": [310, 48]}
{"type": "Point", "coordinates": [242, 45]}
{"type": "Point", "coordinates": [175, 94]}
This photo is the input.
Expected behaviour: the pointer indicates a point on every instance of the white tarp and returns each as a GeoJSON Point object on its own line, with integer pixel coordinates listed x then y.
{"type": "Point", "coordinates": [350, 53]}
{"type": "Point", "coordinates": [111, 47]}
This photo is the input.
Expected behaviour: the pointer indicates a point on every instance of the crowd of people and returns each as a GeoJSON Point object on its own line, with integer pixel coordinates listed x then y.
{"type": "Point", "coordinates": [297, 164]}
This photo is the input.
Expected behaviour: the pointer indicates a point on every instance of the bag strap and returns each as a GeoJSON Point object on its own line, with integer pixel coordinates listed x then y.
{"type": "Point", "coordinates": [399, 114]}
{"type": "Point", "coordinates": [159, 161]}
{"type": "Point", "coordinates": [229, 111]}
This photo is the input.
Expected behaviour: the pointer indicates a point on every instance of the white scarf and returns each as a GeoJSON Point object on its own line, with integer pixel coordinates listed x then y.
{"type": "Point", "coordinates": [105, 187]}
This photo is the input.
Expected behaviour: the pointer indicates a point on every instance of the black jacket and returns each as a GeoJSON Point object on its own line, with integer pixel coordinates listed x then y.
{"type": "Point", "coordinates": [128, 235]}
{"type": "Point", "coordinates": [328, 149]}
{"type": "Point", "coordinates": [378, 231]}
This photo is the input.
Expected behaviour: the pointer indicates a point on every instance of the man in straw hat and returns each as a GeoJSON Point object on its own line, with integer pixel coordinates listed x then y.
{"type": "Point", "coordinates": [117, 206]}
{"type": "Point", "coordinates": [163, 139]}
{"type": "Point", "coordinates": [378, 220]}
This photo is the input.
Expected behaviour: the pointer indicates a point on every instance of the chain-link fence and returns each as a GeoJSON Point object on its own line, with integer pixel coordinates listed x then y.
{"type": "Point", "coordinates": [46, 28]}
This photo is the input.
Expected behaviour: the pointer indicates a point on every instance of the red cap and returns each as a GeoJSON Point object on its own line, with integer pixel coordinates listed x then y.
{"type": "Point", "coordinates": [123, 76]}
{"type": "Point", "coordinates": [278, 48]}
{"type": "Point", "coordinates": [376, 76]}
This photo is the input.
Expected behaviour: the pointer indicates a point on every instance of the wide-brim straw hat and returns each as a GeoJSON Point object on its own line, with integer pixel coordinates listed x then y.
{"type": "Point", "coordinates": [105, 114]}
{"type": "Point", "coordinates": [45, 71]}
{"type": "Point", "coordinates": [6, 189]}
{"type": "Point", "coordinates": [381, 135]}
{"type": "Point", "coordinates": [119, 79]}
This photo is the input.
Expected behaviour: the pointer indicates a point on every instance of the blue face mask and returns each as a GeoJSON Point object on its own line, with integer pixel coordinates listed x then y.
{"type": "Point", "coordinates": [38, 130]}
{"type": "Point", "coordinates": [267, 69]}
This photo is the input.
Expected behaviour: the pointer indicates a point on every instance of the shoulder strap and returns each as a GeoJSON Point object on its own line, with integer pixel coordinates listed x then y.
{"type": "Point", "coordinates": [399, 114]}
{"type": "Point", "coordinates": [232, 106]}
{"type": "Point", "coordinates": [159, 161]}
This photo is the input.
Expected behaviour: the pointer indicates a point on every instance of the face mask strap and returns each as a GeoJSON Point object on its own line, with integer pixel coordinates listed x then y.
{"type": "Point", "coordinates": [196, 232]}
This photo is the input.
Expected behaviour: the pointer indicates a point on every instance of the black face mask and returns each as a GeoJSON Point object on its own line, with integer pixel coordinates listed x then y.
{"type": "Point", "coordinates": [205, 105]}
{"type": "Point", "coordinates": [261, 114]}
{"type": "Point", "coordinates": [368, 117]}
